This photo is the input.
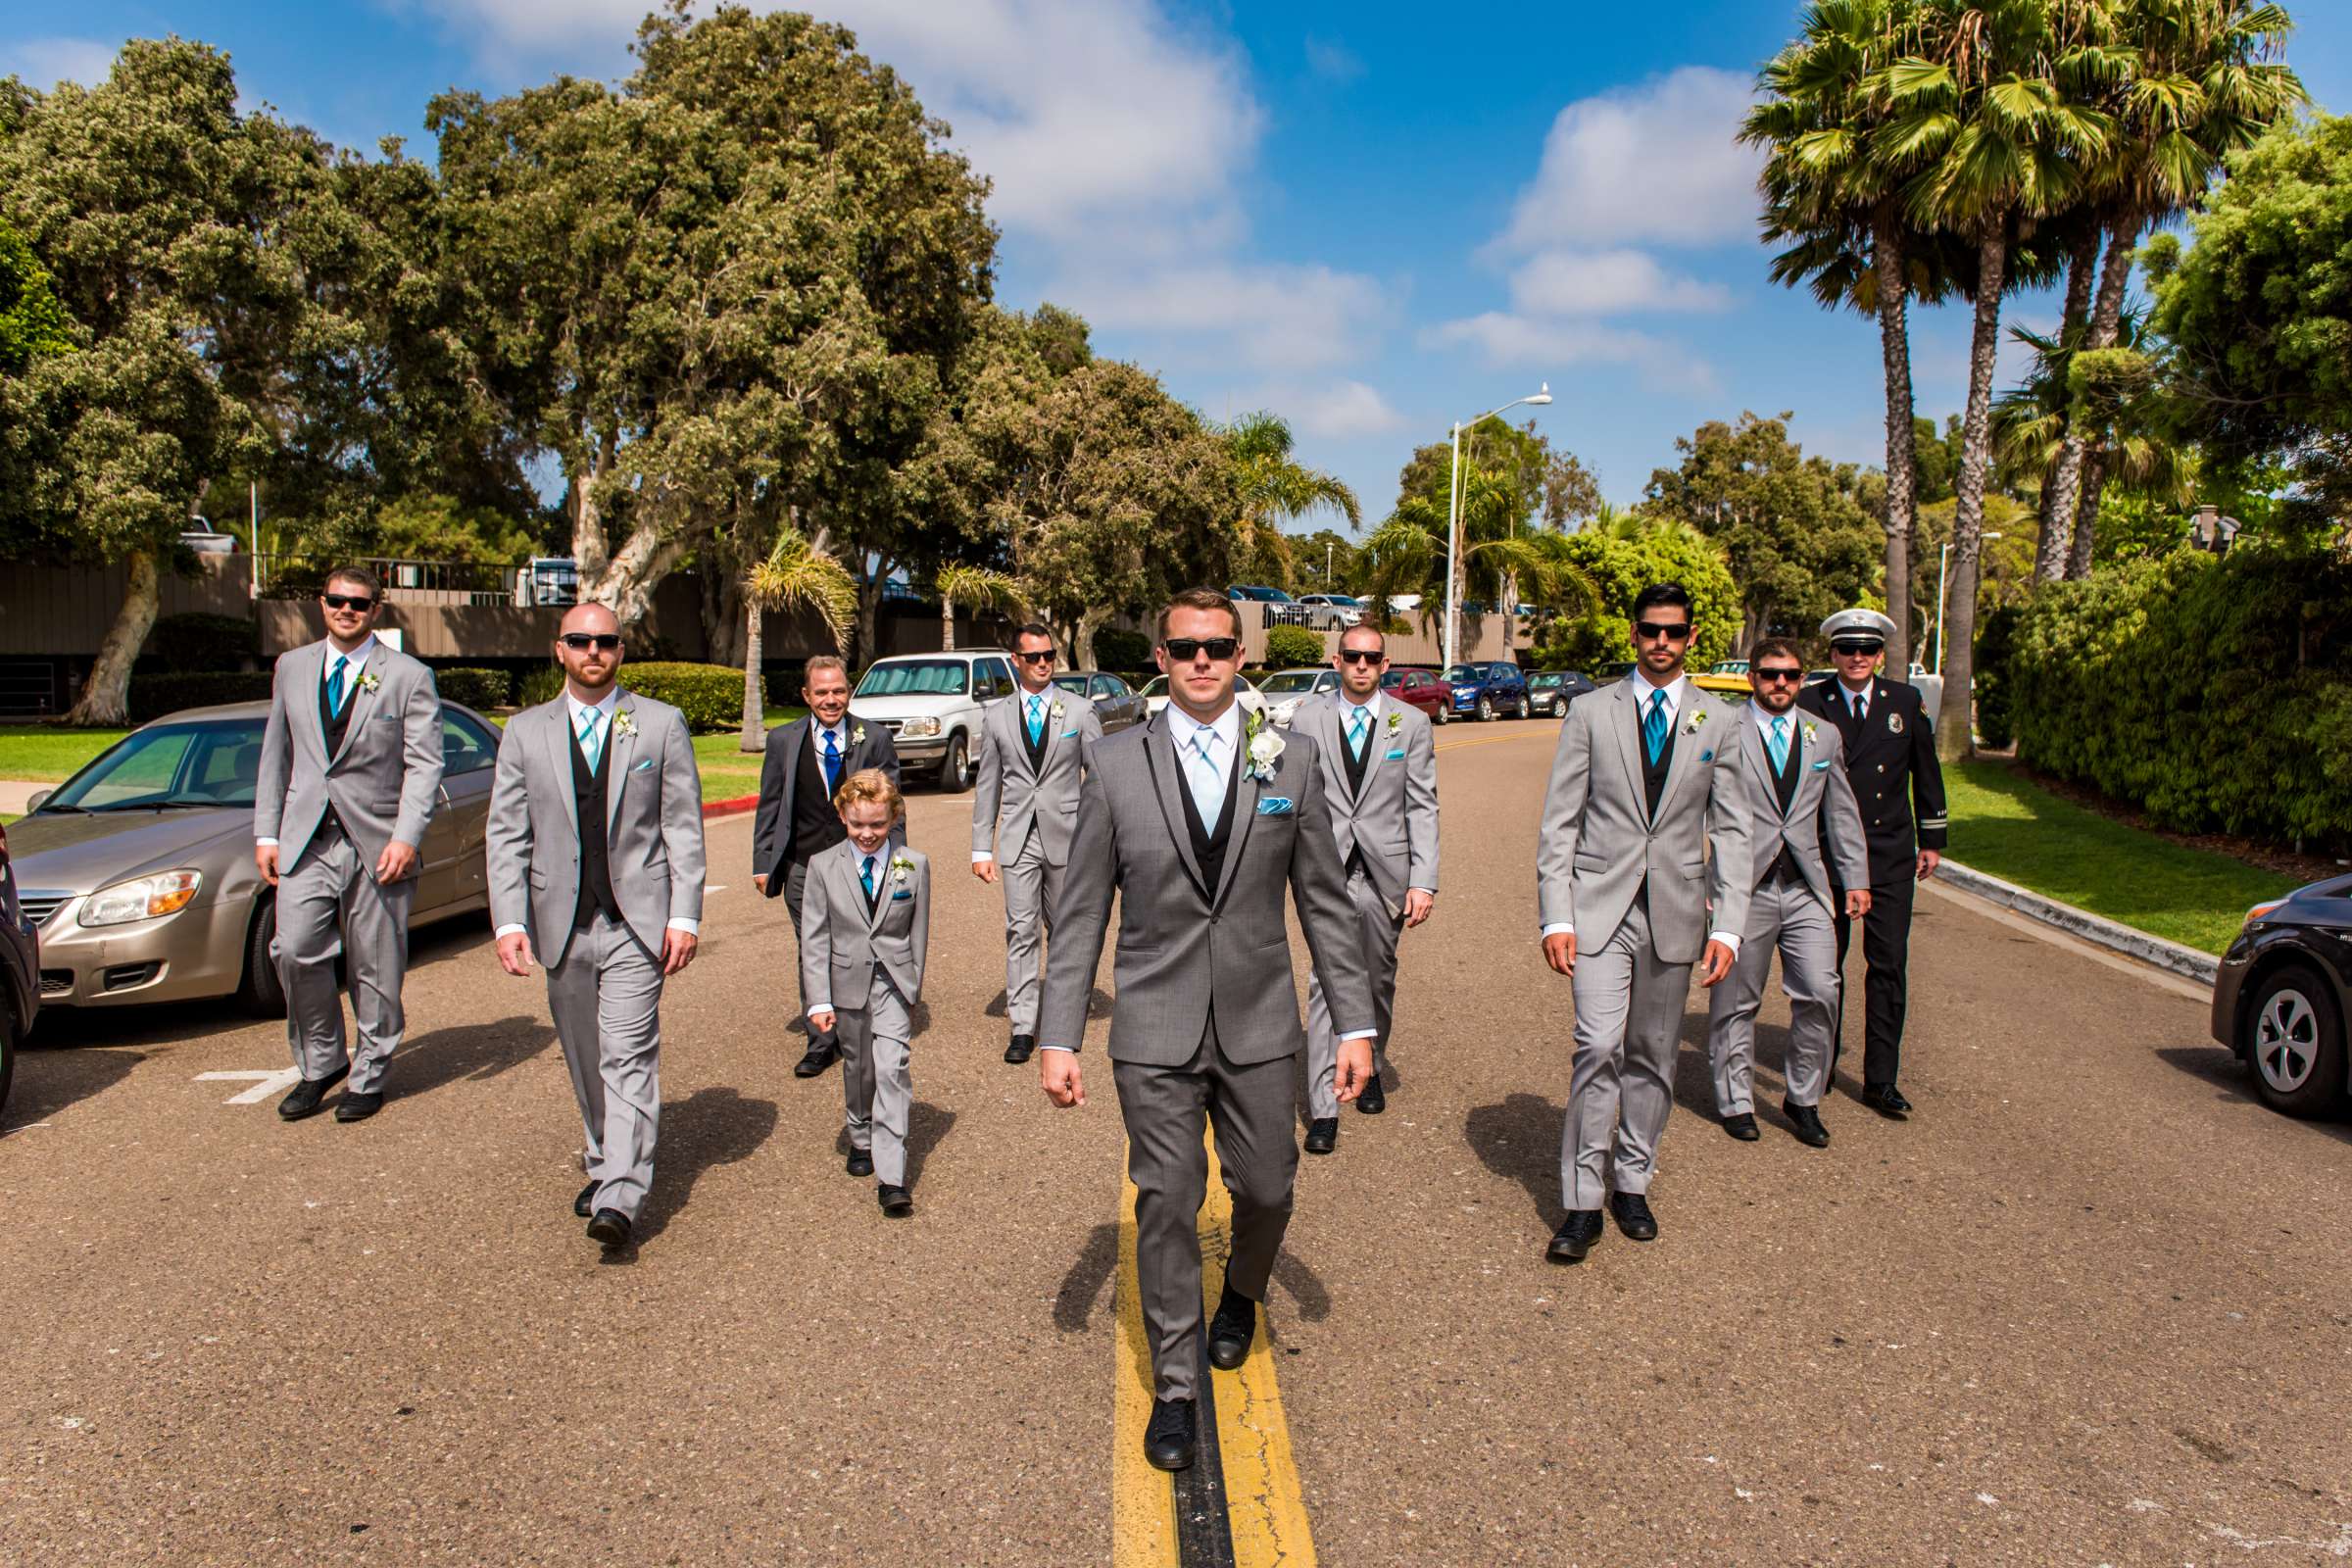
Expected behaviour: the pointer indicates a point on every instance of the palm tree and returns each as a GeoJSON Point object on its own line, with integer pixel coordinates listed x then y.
{"type": "Point", "coordinates": [1409, 552]}
{"type": "Point", "coordinates": [975, 588]}
{"type": "Point", "coordinates": [795, 575]}
{"type": "Point", "coordinates": [1276, 487]}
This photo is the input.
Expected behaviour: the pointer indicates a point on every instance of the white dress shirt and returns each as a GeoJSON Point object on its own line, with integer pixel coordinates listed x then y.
{"type": "Point", "coordinates": [354, 662]}
{"type": "Point", "coordinates": [1673, 709]}
{"type": "Point", "coordinates": [576, 713]}
{"type": "Point", "coordinates": [1856, 702]}
{"type": "Point", "coordinates": [1020, 716]}
{"type": "Point", "coordinates": [875, 866]}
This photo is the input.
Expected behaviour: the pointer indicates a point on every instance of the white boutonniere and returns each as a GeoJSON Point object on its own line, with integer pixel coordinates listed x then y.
{"type": "Point", "coordinates": [857, 735]}
{"type": "Point", "coordinates": [369, 680]}
{"type": "Point", "coordinates": [1396, 722]}
{"type": "Point", "coordinates": [623, 723]}
{"type": "Point", "coordinates": [1264, 745]}
{"type": "Point", "coordinates": [1810, 732]}
{"type": "Point", "coordinates": [901, 868]}
{"type": "Point", "coordinates": [1698, 717]}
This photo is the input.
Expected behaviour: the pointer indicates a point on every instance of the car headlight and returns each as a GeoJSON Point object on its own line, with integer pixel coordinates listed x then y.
{"type": "Point", "coordinates": [145, 898]}
{"type": "Point", "coordinates": [2261, 910]}
{"type": "Point", "coordinates": [915, 729]}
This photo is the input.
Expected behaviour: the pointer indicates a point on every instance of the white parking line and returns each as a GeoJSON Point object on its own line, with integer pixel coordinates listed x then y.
{"type": "Point", "coordinates": [270, 1083]}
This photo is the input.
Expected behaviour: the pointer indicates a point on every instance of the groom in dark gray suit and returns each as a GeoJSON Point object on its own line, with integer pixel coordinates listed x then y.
{"type": "Point", "coordinates": [1198, 822]}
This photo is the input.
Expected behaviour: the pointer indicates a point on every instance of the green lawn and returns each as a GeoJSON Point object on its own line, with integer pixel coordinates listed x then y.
{"type": "Point", "coordinates": [2008, 827]}
{"type": "Point", "coordinates": [47, 754]}
{"type": "Point", "coordinates": [728, 769]}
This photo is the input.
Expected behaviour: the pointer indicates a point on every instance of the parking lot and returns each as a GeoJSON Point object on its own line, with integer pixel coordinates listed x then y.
{"type": "Point", "coordinates": [2093, 1304]}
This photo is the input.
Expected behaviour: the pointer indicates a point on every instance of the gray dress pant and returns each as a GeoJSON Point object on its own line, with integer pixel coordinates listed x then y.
{"type": "Point", "coordinates": [875, 1087]}
{"type": "Point", "coordinates": [796, 887]}
{"type": "Point", "coordinates": [330, 903]}
{"type": "Point", "coordinates": [1253, 1110]}
{"type": "Point", "coordinates": [606, 996]}
{"type": "Point", "coordinates": [1629, 1019]}
{"type": "Point", "coordinates": [1030, 887]}
{"type": "Point", "coordinates": [1377, 931]}
{"type": "Point", "coordinates": [1788, 916]}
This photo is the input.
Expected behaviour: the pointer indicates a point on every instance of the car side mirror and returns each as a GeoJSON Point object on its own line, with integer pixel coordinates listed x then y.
{"type": "Point", "coordinates": [32, 802]}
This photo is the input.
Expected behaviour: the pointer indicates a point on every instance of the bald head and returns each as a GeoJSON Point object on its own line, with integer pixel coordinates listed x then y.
{"type": "Point", "coordinates": [588, 647]}
{"type": "Point", "coordinates": [589, 617]}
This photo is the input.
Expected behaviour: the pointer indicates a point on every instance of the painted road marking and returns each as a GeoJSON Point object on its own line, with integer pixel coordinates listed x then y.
{"type": "Point", "coordinates": [270, 1083]}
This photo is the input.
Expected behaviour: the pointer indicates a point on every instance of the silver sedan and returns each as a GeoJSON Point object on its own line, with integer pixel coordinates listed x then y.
{"type": "Point", "coordinates": [138, 870]}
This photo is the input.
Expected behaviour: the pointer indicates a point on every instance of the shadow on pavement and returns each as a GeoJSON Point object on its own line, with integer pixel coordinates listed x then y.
{"type": "Point", "coordinates": [927, 1125]}
{"type": "Point", "coordinates": [47, 1080]}
{"type": "Point", "coordinates": [472, 1052]}
{"type": "Point", "coordinates": [2230, 1079]}
{"type": "Point", "coordinates": [1088, 1279]}
{"type": "Point", "coordinates": [709, 1127]}
{"type": "Point", "coordinates": [1304, 1284]}
{"type": "Point", "coordinates": [1520, 1138]}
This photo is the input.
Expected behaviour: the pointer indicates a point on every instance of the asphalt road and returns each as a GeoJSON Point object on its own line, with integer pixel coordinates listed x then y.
{"type": "Point", "coordinates": [2092, 1306]}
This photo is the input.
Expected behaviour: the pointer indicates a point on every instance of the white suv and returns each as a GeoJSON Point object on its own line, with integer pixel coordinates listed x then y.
{"type": "Point", "coordinates": [930, 702]}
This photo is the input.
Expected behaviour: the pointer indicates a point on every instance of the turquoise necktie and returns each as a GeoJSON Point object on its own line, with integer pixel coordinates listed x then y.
{"type": "Point", "coordinates": [336, 687]}
{"type": "Point", "coordinates": [1653, 726]}
{"type": "Point", "coordinates": [1200, 772]}
{"type": "Point", "coordinates": [866, 874]}
{"type": "Point", "coordinates": [1779, 745]}
{"type": "Point", "coordinates": [1037, 718]}
{"type": "Point", "coordinates": [1357, 727]}
{"type": "Point", "coordinates": [591, 738]}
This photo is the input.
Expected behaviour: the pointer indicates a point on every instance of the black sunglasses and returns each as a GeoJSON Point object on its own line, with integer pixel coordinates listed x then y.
{"type": "Point", "coordinates": [1851, 648]}
{"type": "Point", "coordinates": [1184, 649]}
{"type": "Point", "coordinates": [1780, 674]}
{"type": "Point", "coordinates": [579, 642]}
{"type": "Point", "coordinates": [359, 601]}
{"type": "Point", "coordinates": [1361, 656]}
{"type": "Point", "coordinates": [1652, 630]}
{"type": "Point", "coordinates": [1045, 658]}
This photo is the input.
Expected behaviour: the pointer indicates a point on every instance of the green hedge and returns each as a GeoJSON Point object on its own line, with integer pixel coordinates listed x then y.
{"type": "Point", "coordinates": [542, 685]}
{"type": "Point", "coordinates": [2212, 694]}
{"type": "Point", "coordinates": [1996, 648]}
{"type": "Point", "coordinates": [482, 689]}
{"type": "Point", "coordinates": [1122, 650]}
{"type": "Point", "coordinates": [1290, 646]}
{"type": "Point", "coordinates": [198, 641]}
{"type": "Point", "coordinates": [710, 696]}
{"type": "Point", "coordinates": [153, 696]}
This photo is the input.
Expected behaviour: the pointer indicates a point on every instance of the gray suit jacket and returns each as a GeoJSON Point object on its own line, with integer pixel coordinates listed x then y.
{"type": "Point", "coordinates": [652, 823]}
{"type": "Point", "coordinates": [385, 780]}
{"type": "Point", "coordinates": [1599, 847]}
{"type": "Point", "coordinates": [780, 778]}
{"type": "Point", "coordinates": [1823, 796]}
{"type": "Point", "coordinates": [1184, 944]}
{"type": "Point", "coordinates": [842, 943]}
{"type": "Point", "coordinates": [1395, 821]}
{"type": "Point", "coordinates": [1010, 797]}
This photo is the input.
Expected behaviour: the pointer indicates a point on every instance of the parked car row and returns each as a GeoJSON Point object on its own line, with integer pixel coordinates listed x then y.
{"type": "Point", "coordinates": [931, 703]}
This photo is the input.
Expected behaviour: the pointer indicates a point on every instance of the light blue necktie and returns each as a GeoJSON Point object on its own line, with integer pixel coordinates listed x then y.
{"type": "Point", "coordinates": [832, 763]}
{"type": "Point", "coordinates": [335, 688]}
{"type": "Point", "coordinates": [1200, 772]}
{"type": "Point", "coordinates": [1357, 727]}
{"type": "Point", "coordinates": [1779, 745]}
{"type": "Point", "coordinates": [592, 737]}
{"type": "Point", "coordinates": [866, 874]}
{"type": "Point", "coordinates": [1653, 726]}
{"type": "Point", "coordinates": [1037, 717]}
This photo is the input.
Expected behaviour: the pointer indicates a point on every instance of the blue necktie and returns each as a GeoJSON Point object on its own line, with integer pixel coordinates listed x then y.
{"type": "Point", "coordinates": [1357, 727]}
{"type": "Point", "coordinates": [1653, 726]}
{"type": "Point", "coordinates": [335, 688]}
{"type": "Point", "coordinates": [1779, 745]}
{"type": "Point", "coordinates": [1037, 719]}
{"type": "Point", "coordinates": [866, 874]}
{"type": "Point", "coordinates": [832, 763]}
{"type": "Point", "coordinates": [1200, 772]}
{"type": "Point", "coordinates": [591, 738]}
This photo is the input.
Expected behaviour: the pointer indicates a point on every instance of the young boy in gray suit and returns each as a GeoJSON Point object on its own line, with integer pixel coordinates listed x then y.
{"type": "Point", "coordinates": [866, 921]}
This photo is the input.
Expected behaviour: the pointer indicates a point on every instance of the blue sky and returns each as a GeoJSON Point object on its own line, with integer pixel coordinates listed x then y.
{"type": "Point", "coordinates": [1367, 222]}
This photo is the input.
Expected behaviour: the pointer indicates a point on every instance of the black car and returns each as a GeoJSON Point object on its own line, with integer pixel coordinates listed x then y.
{"type": "Point", "coordinates": [20, 971]}
{"type": "Point", "coordinates": [1550, 691]}
{"type": "Point", "coordinates": [2281, 995]}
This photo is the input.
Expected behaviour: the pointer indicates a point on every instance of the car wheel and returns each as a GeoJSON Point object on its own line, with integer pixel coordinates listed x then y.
{"type": "Point", "coordinates": [1485, 710]}
{"type": "Point", "coordinates": [259, 992]}
{"type": "Point", "coordinates": [956, 769]}
{"type": "Point", "coordinates": [2295, 1044]}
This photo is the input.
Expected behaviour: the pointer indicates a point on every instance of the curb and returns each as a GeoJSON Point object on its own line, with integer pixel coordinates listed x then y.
{"type": "Point", "coordinates": [2186, 962]}
{"type": "Point", "coordinates": [734, 807]}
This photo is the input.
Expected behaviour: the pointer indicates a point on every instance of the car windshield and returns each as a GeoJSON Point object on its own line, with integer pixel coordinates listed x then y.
{"type": "Point", "coordinates": [1071, 684]}
{"type": "Point", "coordinates": [169, 765]}
{"type": "Point", "coordinates": [1345, 600]}
{"type": "Point", "coordinates": [1156, 686]}
{"type": "Point", "coordinates": [1288, 681]}
{"type": "Point", "coordinates": [917, 677]}
{"type": "Point", "coordinates": [1548, 678]}
{"type": "Point", "coordinates": [1466, 673]}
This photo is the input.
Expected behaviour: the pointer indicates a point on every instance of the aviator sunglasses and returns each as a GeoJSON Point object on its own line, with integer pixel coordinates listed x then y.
{"type": "Point", "coordinates": [579, 642]}
{"type": "Point", "coordinates": [1184, 649]}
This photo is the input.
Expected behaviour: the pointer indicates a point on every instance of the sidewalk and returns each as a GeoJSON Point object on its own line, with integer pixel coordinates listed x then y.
{"type": "Point", "coordinates": [16, 794]}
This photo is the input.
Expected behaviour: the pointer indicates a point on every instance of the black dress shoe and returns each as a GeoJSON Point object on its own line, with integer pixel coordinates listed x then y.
{"type": "Point", "coordinates": [1322, 1134]}
{"type": "Point", "coordinates": [861, 1162]}
{"type": "Point", "coordinates": [897, 1201]}
{"type": "Point", "coordinates": [580, 1204]}
{"type": "Point", "coordinates": [1230, 1329]}
{"type": "Point", "coordinates": [821, 1051]}
{"type": "Point", "coordinates": [610, 1229]}
{"type": "Point", "coordinates": [1374, 1099]}
{"type": "Point", "coordinates": [1633, 1215]}
{"type": "Point", "coordinates": [1575, 1236]}
{"type": "Point", "coordinates": [308, 1098]}
{"type": "Point", "coordinates": [1886, 1100]}
{"type": "Point", "coordinates": [357, 1107]}
{"type": "Point", "coordinates": [1018, 1051]}
{"type": "Point", "coordinates": [1743, 1126]}
{"type": "Point", "coordinates": [1168, 1439]}
{"type": "Point", "coordinates": [1807, 1121]}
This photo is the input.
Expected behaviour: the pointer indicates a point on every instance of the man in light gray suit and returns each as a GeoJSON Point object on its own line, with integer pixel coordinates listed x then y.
{"type": "Point", "coordinates": [1380, 777]}
{"type": "Point", "coordinates": [1198, 822]}
{"type": "Point", "coordinates": [1794, 769]}
{"type": "Point", "coordinates": [1645, 779]}
{"type": "Point", "coordinates": [596, 866]}
{"type": "Point", "coordinates": [1033, 748]}
{"type": "Point", "coordinates": [350, 774]}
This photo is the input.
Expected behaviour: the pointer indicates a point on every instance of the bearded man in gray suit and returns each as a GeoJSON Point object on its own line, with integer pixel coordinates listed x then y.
{"type": "Point", "coordinates": [596, 866]}
{"type": "Point", "coordinates": [1033, 748]}
{"type": "Point", "coordinates": [349, 774]}
{"type": "Point", "coordinates": [1794, 769]}
{"type": "Point", "coordinates": [1646, 778]}
{"type": "Point", "coordinates": [1380, 776]}
{"type": "Point", "coordinates": [1198, 822]}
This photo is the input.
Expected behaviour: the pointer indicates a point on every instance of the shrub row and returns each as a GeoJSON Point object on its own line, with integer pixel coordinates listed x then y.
{"type": "Point", "coordinates": [1290, 646]}
{"type": "Point", "coordinates": [2212, 694]}
{"type": "Point", "coordinates": [479, 689]}
{"type": "Point", "coordinates": [153, 696]}
{"type": "Point", "coordinates": [197, 641]}
{"type": "Point", "coordinates": [710, 696]}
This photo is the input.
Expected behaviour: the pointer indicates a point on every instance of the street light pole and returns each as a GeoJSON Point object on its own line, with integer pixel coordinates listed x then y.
{"type": "Point", "coordinates": [1944, 560]}
{"type": "Point", "coordinates": [1454, 515]}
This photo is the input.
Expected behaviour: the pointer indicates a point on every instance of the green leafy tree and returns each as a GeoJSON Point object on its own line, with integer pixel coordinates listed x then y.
{"type": "Point", "coordinates": [1621, 561]}
{"type": "Point", "coordinates": [34, 325]}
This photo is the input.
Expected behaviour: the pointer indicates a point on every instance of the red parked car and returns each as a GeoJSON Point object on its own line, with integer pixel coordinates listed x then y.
{"type": "Point", "coordinates": [1423, 689]}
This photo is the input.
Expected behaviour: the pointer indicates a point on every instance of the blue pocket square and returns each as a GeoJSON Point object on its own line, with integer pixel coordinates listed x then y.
{"type": "Point", "coordinates": [1068, 733]}
{"type": "Point", "coordinates": [1274, 806]}
{"type": "Point", "coordinates": [1707, 756]}
{"type": "Point", "coordinates": [1818, 767]}
{"type": "Point", "coordinates": [642, 766]}
{"type": "Point", "coordinates": [1396, 756]}
{"type": "Point", "coordinates": [901, 894]}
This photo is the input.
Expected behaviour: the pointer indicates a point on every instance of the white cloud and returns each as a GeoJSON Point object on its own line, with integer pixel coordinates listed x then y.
{"type": "Point", "coordinates": [1344, 410]}
{"type": "Point", "coordinates": [43, 63]}
{"type": "Point", "coordinates": [1568, 282]}
{"type": "Point", "coordinates": [1333, 61]}
{"type": "Point", "coordinates": [1658, 161]}
{"type": "Point", "coordinates": [1274, 317]}
{"type": "Point", "coordinates": [1505, 340]}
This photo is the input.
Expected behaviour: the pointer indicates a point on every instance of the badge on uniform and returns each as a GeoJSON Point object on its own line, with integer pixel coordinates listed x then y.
{"type": "Point", "coordinates": [1274, 806]}
{"type": "Point", "coordinates": [1895, 723]}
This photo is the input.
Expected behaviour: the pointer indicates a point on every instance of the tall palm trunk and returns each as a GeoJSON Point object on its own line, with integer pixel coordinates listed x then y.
{"type": "Point", "coordinates": [2087, 518]}
{"type": "Point", "coordinates": [2060, 486]}
{"type": "Point", "coordinates": [947, 624]}
{"type": "Point", "coordinates": [2075, 497]}
{"type": "Point", "coordinates": [1953, 739]}
{"type": "Point", "coordinates": [755, 679]}
{"type": "Point", "coordinates": [1902, 441]}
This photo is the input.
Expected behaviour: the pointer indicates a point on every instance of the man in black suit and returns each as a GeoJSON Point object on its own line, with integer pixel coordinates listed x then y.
{"type": "Point", "coordinates": [807, 760]}
{"type": "Point", "coordinates": [1890, 760]}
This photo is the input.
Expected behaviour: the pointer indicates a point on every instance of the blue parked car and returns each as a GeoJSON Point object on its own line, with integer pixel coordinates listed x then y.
{"type": "Point", "coordinates": [1486, 691]}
